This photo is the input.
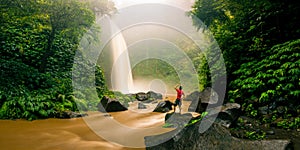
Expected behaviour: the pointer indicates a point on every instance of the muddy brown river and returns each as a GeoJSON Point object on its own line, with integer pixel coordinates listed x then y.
{"type": "Point", "coordinates": [76, 133]}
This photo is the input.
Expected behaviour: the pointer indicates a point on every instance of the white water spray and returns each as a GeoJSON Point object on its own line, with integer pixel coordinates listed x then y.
{"type": "Point", "coordinates": [121, 75]}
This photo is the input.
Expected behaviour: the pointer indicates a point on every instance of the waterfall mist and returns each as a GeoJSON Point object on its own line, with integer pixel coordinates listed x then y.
{"type": "Point", "coordinates": [121, 75]}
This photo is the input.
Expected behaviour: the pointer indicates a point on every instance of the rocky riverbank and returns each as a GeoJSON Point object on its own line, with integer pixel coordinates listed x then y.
{"type": "Point", "coordinates": [221, 126]}
{"type": "Point", "coordinates": [216, 137]}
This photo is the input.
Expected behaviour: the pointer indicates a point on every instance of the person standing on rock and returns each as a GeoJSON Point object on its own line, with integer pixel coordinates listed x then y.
{"type": "Point", "coordinates": [178, 100]}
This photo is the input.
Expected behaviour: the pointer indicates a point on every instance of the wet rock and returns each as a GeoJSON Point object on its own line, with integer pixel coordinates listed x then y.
{"type": "Point", "coordinates": [149, 96]}
{"type": "Point", "coordinates": [216, 137]}
{"type": "Point", "coordinates": [193, 96]}
{"type": "Point", "coordinates": [208, 101]}
{"type": "Point", "coordinates": [209, 96]}
{"type": "Point", "coordinates": [225, 115]}
{"type": "Point", "coordinates": [229, 114]}
{"type": "Point", "coordinates": [141, 96]}
{"type": "Point", "coordinates": [114, 106]}
{"type": "Point", "coordinates": [154, 95]}
{"type": "Point", "coordinates": [70, 114]}
{"type": "Point", "coordinates": [201, 107]}
{"type": "Point", "coordinates": [102, 104]}
{"type": "Point", "coordinates": [200, 100]}
{"type": "Point", "coordinates": [141, 106]}
{"type": "Point", "coordinates": [110, 105]}
{"type": "Point", "coordinates": [163, 106]}
{"type": "Point", "coordinates": [177, 119]}
{"type": "Point", "coordinates": [231, 106]}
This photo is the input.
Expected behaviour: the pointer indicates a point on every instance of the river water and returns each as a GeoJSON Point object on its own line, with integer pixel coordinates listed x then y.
{"type": "Point", "coordinates": [60, 133]}
{"type": "Point", "coordinates": [75, 133]}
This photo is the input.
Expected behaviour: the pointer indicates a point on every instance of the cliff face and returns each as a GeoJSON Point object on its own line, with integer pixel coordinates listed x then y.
{"type": "Point", "coordinates": [216, 137]}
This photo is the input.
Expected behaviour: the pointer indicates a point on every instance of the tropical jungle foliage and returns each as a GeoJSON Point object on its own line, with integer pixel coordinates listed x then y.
{"type": "Point", "coordinates": [39, 39]}
{"type": "Point", "coordinates": [260, 43]}
{"type": "Point", "coordinates": [259, 40]}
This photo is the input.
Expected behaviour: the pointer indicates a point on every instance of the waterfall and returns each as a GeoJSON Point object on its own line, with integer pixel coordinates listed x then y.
{"type": "Point", "coordinates": [121, 75]}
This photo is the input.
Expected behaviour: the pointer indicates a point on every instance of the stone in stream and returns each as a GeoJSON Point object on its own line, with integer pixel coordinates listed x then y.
{"type": "Point", "coordinates": [110, 105]}
{"type": "Point", "coordinates": [70, 114]}
{"type": "Point", "coordinates": [154, 95]}
{"type": "Point", "coordinates": [141, 106]}
{"type": "Point", "coordinates": [164, 106]}
{"type": "Point", "coordinates": [149, 96]}
{"type": "Point", "coordinates": [216, 137]}
{"type": "Point", "coordinates": [141, 96]}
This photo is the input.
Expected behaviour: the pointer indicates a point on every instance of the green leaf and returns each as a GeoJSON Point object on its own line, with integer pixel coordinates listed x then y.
{"type": "Point", "coordinates": [295, 93]}
{"type": "Point", "coordinates": [294, 71]}
{"type": "Point", "coordinates": [289, 86]}
{"type": "Point", "coordinates": [271, 92]}
{"type": "Point", "coordinates": [264, 97]}
{"type": "Point", "coordinates": [167, 125]}
{"type": "Point", "coordinates": [272, 81]}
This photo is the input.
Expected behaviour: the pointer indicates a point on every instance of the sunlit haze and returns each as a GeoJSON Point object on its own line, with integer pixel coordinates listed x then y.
{"type": "Point", "coordinates": [184, 4]}
{"type": "Point", "coordinates": [157, 33]}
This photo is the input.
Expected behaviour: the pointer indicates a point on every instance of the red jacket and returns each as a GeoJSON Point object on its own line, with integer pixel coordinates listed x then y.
{"type": "Point", "coordinates": [179, 93]}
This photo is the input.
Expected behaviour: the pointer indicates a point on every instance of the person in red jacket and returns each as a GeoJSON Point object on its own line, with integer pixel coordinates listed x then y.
{"type": "Point", "coordinates": [178, 100]}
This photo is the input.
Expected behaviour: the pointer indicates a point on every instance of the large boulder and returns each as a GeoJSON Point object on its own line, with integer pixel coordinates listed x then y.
{"type": "Point", "coordinates": [114, 106]}
{"type": "Point", "coordinates": [110, 105]}
{"type": "Point", "coordinates": [216, 137]}
{"type": "Point", "coordinates": [177, 119]}
{"type": "Point", "coordinates": [193, 96]}
{"type": "Point", "coordinates": [229, 113]}
{"type": "Point", "coordinates": [102, 104]}
{"type": "Point", "coordinates": [209, 95]}
{"type": "Point", "coordinates": [154, 95]}
{"type": "Point", "coordinates": [149, 96]}
{"type": "Point", "coordinates": [200, 100]}
{"type": "Point", "coordinates": [225, 115]}
{"type": "Point", "coordinates": [208, 101]}
{"type": "Point", "coordinates": [164, 106]}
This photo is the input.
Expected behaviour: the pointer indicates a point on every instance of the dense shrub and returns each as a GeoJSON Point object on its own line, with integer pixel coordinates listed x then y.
{"type": "Point", "coordinates": [273, 79]}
